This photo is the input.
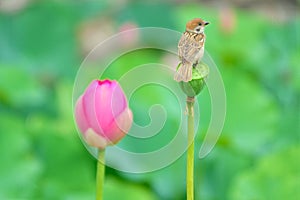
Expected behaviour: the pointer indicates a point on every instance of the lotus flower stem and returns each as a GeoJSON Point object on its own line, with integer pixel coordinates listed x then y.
{"type": "Point", "coordinates": [190, 151]}
{"type": "Point", "coordinates": [100, 174]}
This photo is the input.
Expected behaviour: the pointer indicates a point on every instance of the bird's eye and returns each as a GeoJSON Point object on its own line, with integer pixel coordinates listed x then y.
{"type": "Point", "coordinates": [200, 24]}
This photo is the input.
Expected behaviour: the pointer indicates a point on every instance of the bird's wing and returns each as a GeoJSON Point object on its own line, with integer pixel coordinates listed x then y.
{"type": "Point", "coordinates": [189, 47]}
{"type": "Point", "coordinates": [181, 44]}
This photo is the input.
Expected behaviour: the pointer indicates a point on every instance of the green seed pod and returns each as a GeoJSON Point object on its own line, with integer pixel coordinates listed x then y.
{"type": "Point", "coordinates": [194, 86]}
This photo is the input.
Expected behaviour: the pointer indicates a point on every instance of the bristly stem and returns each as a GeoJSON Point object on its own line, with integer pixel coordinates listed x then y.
{"type": "Point", "coordinates": [190, 151]}
{"type": "Point", "coordinates": [100, 174]}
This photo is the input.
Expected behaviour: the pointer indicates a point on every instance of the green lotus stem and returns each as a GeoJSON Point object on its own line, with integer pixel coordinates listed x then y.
{"type": "Point", "coordinates": [100, 174]}
{"type": "Point", "coordinates": [190, 151]}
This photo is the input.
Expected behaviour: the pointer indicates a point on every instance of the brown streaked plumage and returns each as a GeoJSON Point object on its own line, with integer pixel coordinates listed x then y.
{"type": "Point", "coordinates": [190, 48]}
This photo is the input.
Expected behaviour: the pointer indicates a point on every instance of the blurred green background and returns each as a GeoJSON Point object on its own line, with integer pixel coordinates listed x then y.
{"type": "Point", "coordinates": [256, 46]}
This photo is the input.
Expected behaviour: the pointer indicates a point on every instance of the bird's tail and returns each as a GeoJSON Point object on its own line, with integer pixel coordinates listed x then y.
{"type": "Point", "coordinates": [184, 73]}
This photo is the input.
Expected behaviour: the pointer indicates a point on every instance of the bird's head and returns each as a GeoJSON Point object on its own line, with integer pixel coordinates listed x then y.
{"type": "Point", "coordinates": [196, 25]}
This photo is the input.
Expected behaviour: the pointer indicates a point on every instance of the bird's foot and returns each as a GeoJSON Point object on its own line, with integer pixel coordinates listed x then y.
{"type": "Point", "coordinates": [195, 64]}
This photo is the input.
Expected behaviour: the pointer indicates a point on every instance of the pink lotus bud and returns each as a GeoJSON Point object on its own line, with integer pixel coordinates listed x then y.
{"type": "Point", "coordinates": [227, 20]}
{"type": "Point", "coordinates": [102, 113]}
{"type": "Point", "coordinates": [129, 38]}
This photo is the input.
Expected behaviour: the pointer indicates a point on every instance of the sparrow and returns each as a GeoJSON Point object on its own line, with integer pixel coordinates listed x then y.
{"type": "Point", "coordinates": [190, 48]}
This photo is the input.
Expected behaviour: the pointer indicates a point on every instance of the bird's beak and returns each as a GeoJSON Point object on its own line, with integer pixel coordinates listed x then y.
{"type": "Point", "coordinates": [206, 23]}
